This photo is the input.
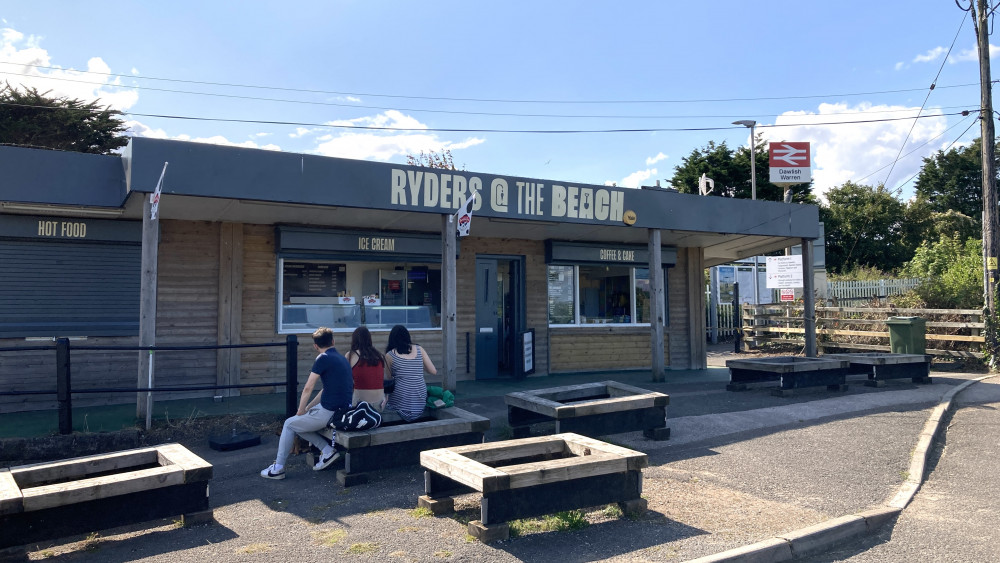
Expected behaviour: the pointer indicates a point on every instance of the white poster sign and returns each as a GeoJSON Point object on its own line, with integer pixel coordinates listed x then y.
{"type": "Point", "coordinates": [784, 271]}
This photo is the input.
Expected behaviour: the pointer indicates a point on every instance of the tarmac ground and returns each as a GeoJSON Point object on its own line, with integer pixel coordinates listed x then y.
{"type": "Point", "coordinates": [745, 476]}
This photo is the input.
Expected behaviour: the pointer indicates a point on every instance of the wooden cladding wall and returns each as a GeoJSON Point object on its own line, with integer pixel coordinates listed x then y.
{"type": "Point", "coordinates": [678, 314]}
{"type": "Point", "coordinates": [36, 371]}
{"type": "Point", "coordinates": [187, 299]}
{"type": "Point", "coordinates": [600, 349]}
{"type": "Point", "coordinates": [536, 294]}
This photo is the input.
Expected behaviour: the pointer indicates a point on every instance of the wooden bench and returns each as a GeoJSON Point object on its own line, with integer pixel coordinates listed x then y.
{"type": "Point", "coordinates": [791, 372]}
{"type": "Point", "coordinates": [530, 477]}
{"type": "Point", "coordinates": [591, 409]}
{"type": "Point", "coordinates": [56, 499]}
{"type": "Point", "coordinates": [882, 366]}
{"type": "Point", "coordinates": [397, 443]}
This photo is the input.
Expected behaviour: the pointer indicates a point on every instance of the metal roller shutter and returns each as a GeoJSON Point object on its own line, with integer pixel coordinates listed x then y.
{"type": "Point", "coordinates": [58, 288]}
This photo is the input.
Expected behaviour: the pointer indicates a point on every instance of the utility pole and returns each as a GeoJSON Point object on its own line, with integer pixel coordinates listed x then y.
{"type": "Point", "coordinates": [981, 16]}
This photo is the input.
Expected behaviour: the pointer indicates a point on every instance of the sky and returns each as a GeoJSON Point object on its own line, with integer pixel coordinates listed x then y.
{"type": "Point", "coordinates": [575, 91]}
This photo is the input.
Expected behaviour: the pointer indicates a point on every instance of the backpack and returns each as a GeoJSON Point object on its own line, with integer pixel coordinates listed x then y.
{"type": "Point", "coordinates": [359, 417]}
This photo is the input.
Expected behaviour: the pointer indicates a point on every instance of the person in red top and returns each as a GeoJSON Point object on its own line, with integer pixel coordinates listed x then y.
{"type": "Point", "coordinates": [368, 369]}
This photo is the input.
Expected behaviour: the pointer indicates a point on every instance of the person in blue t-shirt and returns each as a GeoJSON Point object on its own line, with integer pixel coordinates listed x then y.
{"type": "Point", "coordinates": [330, 368]}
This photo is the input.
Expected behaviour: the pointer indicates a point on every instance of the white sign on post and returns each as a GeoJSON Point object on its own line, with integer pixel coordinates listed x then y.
{"type": "Point", "coordinates": [790, 163]}
{"type": "Point", "coordinates": [784, 271]}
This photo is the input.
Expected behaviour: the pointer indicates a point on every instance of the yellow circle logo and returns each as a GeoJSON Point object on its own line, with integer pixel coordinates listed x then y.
{"type": "Point", "coordinates": [629, 218]}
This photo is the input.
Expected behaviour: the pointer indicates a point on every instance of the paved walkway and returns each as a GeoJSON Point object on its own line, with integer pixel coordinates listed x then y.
{"type": "Point", "coordinates": [743, 471]}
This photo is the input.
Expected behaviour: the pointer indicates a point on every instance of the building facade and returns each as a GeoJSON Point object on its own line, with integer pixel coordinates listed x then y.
{"type": "Point", "coordinates": [254, 245]}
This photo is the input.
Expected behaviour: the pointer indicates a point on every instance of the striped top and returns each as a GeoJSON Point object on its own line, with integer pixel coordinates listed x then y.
{"type": "Point", "coordinates": [410, 396]}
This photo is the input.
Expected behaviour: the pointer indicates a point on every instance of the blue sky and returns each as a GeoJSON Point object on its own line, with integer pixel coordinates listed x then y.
{"type": "Point", "coordinates": [492, 68]}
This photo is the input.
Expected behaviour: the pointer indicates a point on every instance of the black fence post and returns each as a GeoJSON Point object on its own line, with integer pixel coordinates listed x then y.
{"type": "Point", "coordinates": [738, 314]}
{"type": "Point", "coordinates": [291, 375]}
{"type": "Point", "coordinates": [64, 392]}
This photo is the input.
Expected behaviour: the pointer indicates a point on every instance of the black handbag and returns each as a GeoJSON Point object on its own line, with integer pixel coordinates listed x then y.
{"type": "Point", "coordinates": [388, 385]}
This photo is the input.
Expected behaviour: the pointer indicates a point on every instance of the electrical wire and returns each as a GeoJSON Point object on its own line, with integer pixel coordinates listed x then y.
{"type": "Point", "coordinates": [927, 97]}
{"type": "Point", "coordinates": [456, 99]}
{"type": "Point", "coordinates": [409, 110]}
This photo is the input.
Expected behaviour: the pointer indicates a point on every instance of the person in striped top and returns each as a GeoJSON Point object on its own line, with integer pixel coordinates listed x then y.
{"type": "Point", "coordinates": [406, 364]}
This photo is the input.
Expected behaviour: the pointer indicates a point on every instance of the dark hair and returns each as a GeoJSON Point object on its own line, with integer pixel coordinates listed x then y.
{"type": "Point", "coordinates": [361, 344]}
{"type": "Point", "coordinates": [323, 337]}
{"type": "Point", "coordinates": [399, 340]}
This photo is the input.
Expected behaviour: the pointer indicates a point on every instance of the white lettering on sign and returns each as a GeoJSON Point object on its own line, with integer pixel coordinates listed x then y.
{"type": "Point", "coordinates": [66, 229]}
{"type": "Point", "coordinates": [616, 255]}
{"type": "Point", "coordinates": [380, 244]}
{"type": "Point", "coordinates": [447, 191]}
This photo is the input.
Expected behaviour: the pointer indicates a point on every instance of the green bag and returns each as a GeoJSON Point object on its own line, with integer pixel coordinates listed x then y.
{"type": "Point", "coordinates": [438, 397]}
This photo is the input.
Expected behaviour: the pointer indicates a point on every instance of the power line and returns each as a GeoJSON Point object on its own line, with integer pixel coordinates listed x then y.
{"type": "Point", "coordinates": [915, 149]}
{"type": "Point", "coordinates": [457, 99]}
{"type": "Point", "coordinates": [536, 131]}
{"type": "Point", "coordinates": [412, 110]}
{"type": "Point", "coordinates": [927, 97]}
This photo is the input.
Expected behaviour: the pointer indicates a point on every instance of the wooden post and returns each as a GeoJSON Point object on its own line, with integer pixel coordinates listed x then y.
{"type": "Point", "coordinates": [64, 388]}
{"type": "Point", "coordinates": [697, 346]}
{"type": "Point", "coordinates": [808, 297]}
{"type": "Point", "coordinates": [147, 301]}
{"type": "Point", "coordinates": [291, 375]}
{"type": "Point", "coordinates": [449, 345]}
{"type": "Point", "coordinates": [230, 306]}
{"type": "Point", "coordinates": [657, 308]}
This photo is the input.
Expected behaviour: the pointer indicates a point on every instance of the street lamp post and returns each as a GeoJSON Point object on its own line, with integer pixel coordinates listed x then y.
{"type": "Point", "coordinates": [753, 189]}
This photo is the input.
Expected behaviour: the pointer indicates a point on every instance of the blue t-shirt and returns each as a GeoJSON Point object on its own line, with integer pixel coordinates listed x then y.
{"type": "Point", "coordinates": [338, 383]}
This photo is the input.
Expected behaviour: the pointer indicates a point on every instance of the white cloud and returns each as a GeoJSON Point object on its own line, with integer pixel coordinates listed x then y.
{"type": "Point", "coordinates": [860, 152]}
{"type": "Point", "coordinates": [654, 159]}
{"type": "Point", "coordinates": [138, 129]}
{"type": "Point", "coordinates": [932, 55]}
{"type": "Point", "coordinates": [23, 57]}
{"type": "Point", "coordinates": [636, 179]}
{"type": "Point", "coordinates": [384, 145]}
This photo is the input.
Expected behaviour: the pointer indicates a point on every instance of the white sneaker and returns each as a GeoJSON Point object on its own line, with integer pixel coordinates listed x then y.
{"type": "Point", "coordinates": [270, 473]}
{"type": "Point", "coordinates": [325, 461]}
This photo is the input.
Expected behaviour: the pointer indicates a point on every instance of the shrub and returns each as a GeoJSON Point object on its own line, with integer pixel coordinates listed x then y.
{"type": "Point", "coordinates": [952, 271]}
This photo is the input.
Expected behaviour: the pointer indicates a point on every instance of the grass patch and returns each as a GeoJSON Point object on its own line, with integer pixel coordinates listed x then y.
{"type": "Point", "coordinates": [505, 432]}
{"type": "Point", "coordinates": [255, 548]}
{"type": "Point", "coordinates": [329, 538]}
{"type": "Point", "coordinates": [442, 553]}
{"type": "Point", "coordinates": [566, 521]}
{"type": "Point", "coordinates": [612, 511]}
{"type": "Point", "coordinates": [93, 542]}
{"type": "Point", "coordinates": [362, 548]}
{"type": "Point", "coordinates": [904, 475]}
{"type": "Point", "coordinates": [421, 512]}
{"type": "Point", "coordinates": [409, 529]}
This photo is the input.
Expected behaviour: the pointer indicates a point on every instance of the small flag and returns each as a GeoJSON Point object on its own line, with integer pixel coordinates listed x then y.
{"type": "Point", "coordinates": [465, 215]}
{"type": "Point", "coordinates": [154, 198]}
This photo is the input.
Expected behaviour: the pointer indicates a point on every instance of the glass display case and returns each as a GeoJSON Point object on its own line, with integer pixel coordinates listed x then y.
{"type": "Point", "coordinates": [387, 316]}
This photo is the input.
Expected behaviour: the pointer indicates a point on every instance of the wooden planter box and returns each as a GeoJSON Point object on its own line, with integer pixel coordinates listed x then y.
{"type": "Point", "coordinates": [397, 443]}
{"type": "Point", "coordinates": [591, 409]}
{"type": "Point", "coordinates": [73, 496]}
{"type": "Point", "coordinates": [881, 366]}
{"type": "Point", "coordinates": [530, 477]}
{"type": "Point", "coordinates": [792, 372]}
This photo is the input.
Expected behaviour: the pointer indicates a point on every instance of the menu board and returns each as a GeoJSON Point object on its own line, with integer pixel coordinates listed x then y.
{"type": "Point", "coordinates": [310, 279]}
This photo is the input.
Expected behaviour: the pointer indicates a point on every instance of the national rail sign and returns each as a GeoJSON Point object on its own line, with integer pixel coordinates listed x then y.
{"type": "Point", "coordinates": [790, 162]}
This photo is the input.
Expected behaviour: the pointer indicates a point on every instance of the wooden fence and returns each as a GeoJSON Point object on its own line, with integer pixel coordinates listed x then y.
{"type": "Point", "coordinates": [866, 290]}
{"type": "Point", "coordinates": [949, 332]}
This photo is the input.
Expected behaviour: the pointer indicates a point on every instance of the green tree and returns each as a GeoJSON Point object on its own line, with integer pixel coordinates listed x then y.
{"type": "Point", "coordinates": [952, 272]}
{"type": "Point", "coordinates": [432, 159]}
{"type": "Point", "coordinates": [30, 118]}
{"type": "Point", "coordinates": [730, 170]}
{"type": "Point", "coordinates": [865, 227]}
{"type": "Point", "coordinates": [952, 182]}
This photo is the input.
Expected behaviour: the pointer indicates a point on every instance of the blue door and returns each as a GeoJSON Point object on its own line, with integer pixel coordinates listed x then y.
{"type": "Point", "coordinates": [499, 314]}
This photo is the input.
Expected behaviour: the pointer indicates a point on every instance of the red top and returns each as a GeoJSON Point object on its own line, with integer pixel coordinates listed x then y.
{"type": "Point", "coordinates": [367, 377]}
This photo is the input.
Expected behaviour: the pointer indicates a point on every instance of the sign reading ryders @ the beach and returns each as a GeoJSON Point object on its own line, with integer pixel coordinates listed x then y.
{"type": "Point", "coordinates": [447, 191]}
{"type": "Point", "coordinates": [791, 163]}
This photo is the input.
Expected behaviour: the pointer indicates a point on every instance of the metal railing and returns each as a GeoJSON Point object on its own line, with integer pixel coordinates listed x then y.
{"type": "Point", "coordinates": [64, 390]}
